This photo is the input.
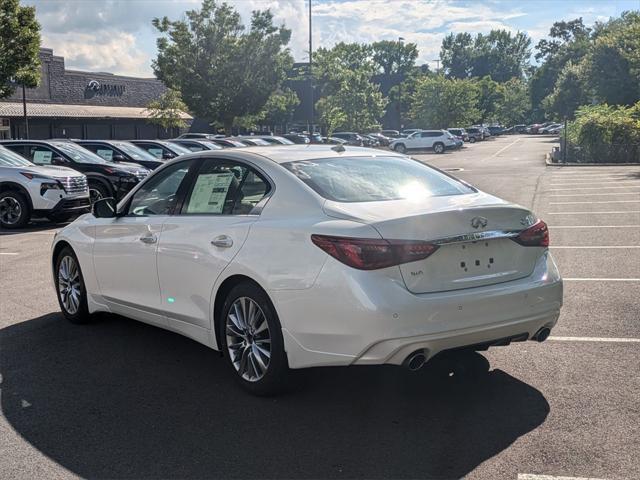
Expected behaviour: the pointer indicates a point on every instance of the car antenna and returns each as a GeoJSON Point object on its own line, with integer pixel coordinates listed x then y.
{"type": "Point", "coordinates": [338, 148]}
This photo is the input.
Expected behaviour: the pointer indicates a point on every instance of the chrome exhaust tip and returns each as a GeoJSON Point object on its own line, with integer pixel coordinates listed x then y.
{"type": "Point", "coordinates": [415, 361]}
{"type": "Point", "coordinates": [542, 334]}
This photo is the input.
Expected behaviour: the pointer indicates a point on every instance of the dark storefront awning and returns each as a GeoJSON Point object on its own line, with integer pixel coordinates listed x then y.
{"type": "Point", "coordinates": [51, 110]}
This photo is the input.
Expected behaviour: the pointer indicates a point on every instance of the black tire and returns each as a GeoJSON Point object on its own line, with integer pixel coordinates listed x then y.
{"type": "Point", "coordinates": [274, 379]}
{"type": "Point", "coordinates": [400, 148]}
{"type": "Point", "coordinates": [14, 210]}
{"type": "Point", "coordinates": [438, 147]}
{"type": "Point", "coordinates": [82, 314]}
{"type": "Point", "coordinates": [472, 139]}
{"type": "Point", "coordinates": [98, 190]}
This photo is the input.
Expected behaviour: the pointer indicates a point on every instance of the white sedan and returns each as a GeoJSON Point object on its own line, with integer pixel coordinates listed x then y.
{"type": "Point", "coordinates": [294, 256]}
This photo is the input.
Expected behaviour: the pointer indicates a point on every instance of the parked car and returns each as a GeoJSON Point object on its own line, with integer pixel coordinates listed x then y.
{"type": "Point", "coordinates": [227, 142]}
{"type": "Point", "coordinates": [352, 138]}
{"type": "Point", "coordinates": [548, 128]}
{"type": "Point", "coordinates": [436, 140]}
{"type": "Point", "coordinates": [161, 149]}
{"type": "Point", "coordinates": [271, 139]}
{"type": "Point", "coordinates": [105, 178]}
{"type": "Point", "coordinates": [383, 140]}
{"type": "Point", "coordinates": [475, 134]}
{"type": "Point", "coordinates": [410, 131]}
{"type": "Point", "coordinates": [251, 141]}
{"type": "Point", "coordinates": [555, 130]}
{"type": "Point", "coordinates": [401, 261]}
{"type": "Point", "coordinates": [28, 190]}
{"type": "Point", "coordinates": [334, 141]}
{"type": "Point", "coordinates": [369, 141]}
{"type": "Point", "coordinates": [120, 151]}
{"type": "Point", "coordinates": [208, 136]}
{"type": "Point", "coordinates": [297, 138]}
{"type": "Point", "coordinates": [461, 133]}
{"type": "Point", "coordinates": [391, 133]}
{"type": "Point", "coordinates": [195, 144]}
{"type": "Point", "coordinates": [495, 130]}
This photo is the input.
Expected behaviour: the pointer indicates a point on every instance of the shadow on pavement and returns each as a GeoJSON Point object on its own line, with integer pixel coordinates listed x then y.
{"type": "Point", "coordinates": [120, 399]}
{"type": "Point", "coordinates": [34, 226]}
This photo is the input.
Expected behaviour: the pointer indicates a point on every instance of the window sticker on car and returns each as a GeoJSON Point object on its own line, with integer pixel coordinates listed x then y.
{"type": "Point", "coordinates": [156, 152]}
{"type": "Point", "coordinates": [106, 154]}
{"type": "Point", "coordinates": [42, 157]}
{"type": "Point", "coordinates": [210, 192]}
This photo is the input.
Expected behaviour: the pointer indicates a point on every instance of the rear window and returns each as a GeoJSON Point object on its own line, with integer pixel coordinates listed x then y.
{"type": "Point", "coordinates": [367, 179]}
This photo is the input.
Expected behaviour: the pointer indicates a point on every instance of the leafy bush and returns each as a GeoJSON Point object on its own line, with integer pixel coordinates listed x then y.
{"type": "Point", "coordinates": [604, 133]}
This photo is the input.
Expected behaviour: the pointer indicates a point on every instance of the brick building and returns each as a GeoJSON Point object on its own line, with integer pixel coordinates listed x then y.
{"type": "Point", "coordinates": [77, 104]}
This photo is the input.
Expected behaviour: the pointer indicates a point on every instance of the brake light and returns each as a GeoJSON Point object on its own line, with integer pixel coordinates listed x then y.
{"type": "Point", "coordinates": [537, 235]}
{"type": "Point", "coordinates": [373, 253]}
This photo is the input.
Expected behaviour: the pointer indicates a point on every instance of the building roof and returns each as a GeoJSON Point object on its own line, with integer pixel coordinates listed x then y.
{"type": "Point", "coordinates": [52, 110]}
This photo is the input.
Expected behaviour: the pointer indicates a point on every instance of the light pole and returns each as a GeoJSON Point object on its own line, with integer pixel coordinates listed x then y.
{"type": "Point", "coordinates": [312, 107]}
{"type": "Point", "coordinates": [400, 41]}
{"type": "Point", "coordinates": [437, 60]}
{"type": "Point", "coordinates": [24, 111]}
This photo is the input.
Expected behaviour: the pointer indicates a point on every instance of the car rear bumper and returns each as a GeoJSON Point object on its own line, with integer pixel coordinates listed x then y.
{"type": "Point", "coordinates": [349, 317]}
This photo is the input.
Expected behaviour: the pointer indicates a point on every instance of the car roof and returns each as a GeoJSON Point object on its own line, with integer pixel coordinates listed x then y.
{"type": "Point", "coordinates": [292, 153]}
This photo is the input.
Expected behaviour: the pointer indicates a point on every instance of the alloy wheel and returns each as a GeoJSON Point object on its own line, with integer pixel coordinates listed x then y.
{"type": "Point", "coordinates": [439, 148]}
{"type": "Point", "coordinates": [94, 195]}
{"type": "Point", "coordinates": [10, 210]}
{"type": "Point", "coordinates": [69, 287]}
{"type": "Point", "coordinates": [248, 339]}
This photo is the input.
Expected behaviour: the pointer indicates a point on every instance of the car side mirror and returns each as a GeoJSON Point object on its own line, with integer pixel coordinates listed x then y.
{"type": "Point", "coordinates": [168, 156]}
{"type": "Point", "coordinates": [118, 157]}
{"type": "Point", "coordinates": [105, 208]}
{"type": "Point", "coordinates": [58, 160]}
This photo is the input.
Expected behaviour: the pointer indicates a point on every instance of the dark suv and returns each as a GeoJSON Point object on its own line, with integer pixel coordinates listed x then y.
{"type": "Point", "coordinates": [351, 138]}
{"type": "Point", "coordinates": [106, 179]}
{"type": "Point", "coordinates": [161, 149]}
{"type": "Point", "coordinates": [120, 151]}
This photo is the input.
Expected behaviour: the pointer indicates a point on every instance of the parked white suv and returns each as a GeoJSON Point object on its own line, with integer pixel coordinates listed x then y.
{"type": "Point", "coordinates": [27, 190]}
{"type": "Point", "coordinates": [438, 140]}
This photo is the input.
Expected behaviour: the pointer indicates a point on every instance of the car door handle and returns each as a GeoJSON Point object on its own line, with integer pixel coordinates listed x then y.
{"type": "Point", "coordinates": [149, 238]}
{"type": "Point", "coordinates": [222, 241]}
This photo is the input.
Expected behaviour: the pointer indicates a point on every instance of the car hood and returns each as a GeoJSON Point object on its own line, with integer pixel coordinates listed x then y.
{"type": "Point", "coordinates": [127, 167]}
{"type": "Point", "coordinates": [51, 171]}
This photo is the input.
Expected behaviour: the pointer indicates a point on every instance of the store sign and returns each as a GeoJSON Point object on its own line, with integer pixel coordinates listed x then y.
{"type": "Point", "coordinates": [95, 88]}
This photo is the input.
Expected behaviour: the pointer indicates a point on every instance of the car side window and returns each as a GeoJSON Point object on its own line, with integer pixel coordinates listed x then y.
{"type": "Point", "coordinates": [103, 151]}
{"type": "Point", "coordinates": [155, 150]}
{"type": "Point", "coordinates": [225, 188]}
{"type": "Point", "coordinates": [40, 155]}
{"type": "Point", "coordinates": [158, 196]}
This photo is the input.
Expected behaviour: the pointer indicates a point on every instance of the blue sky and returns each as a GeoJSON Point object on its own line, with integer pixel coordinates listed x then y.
{"type": "Point", "coordinates": [116, 35]}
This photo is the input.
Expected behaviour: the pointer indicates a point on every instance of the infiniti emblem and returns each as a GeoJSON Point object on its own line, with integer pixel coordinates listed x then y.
{"type": "Point", "coordinates": [477, 222]}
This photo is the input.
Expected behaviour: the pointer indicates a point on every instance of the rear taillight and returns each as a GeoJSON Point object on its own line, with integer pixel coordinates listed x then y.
{"type": "Point", "coordinates": [537, 235]}
{"type": "Point", "coordinates": [373, 253]}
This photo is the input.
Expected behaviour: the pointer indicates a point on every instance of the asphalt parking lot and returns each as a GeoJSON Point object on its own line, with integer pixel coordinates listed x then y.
{"type": "Point", "coordinates": [119, 399]}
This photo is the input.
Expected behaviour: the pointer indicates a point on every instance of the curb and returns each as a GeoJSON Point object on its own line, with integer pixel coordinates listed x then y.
{"type": "Point", "coordinates": [547, 160]}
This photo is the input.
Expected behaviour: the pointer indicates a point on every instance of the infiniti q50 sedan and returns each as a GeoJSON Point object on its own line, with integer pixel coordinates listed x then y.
{"type": "Point", "coordinates": [294, 256]}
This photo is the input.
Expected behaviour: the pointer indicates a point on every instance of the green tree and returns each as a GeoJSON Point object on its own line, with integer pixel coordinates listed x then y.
{"type": "Point", "coordinates": [330, 65]}
{"type": "Point", "coordinates": [168, 110]}
{"type": "Point", "coordinates": [500, 54]}
{"type": "Point", "coordinates": [489, 95]}
{"type": "Point", "coordinates": [356, 100]}
{"type": "Point", "coordinates": [223, 70]}
{"type": "Point", "coordinates": [19, 47]}
{"type": "Point", "coordinates": [280, 107]}
{"type": "Point", "coordinates": [513, 106]}
{"type": "Point", "coordinates": [569, 93]}
{"type": "Point", "coordinates": [394, 56]}
{"type": "Point", "coordinates": [439, 102]}
{"type": "Point", "coordinates": [613, 63]}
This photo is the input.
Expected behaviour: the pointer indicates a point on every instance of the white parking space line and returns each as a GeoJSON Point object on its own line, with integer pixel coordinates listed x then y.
{"type": "Point", "coordinates": [595, 339]}
{"type": "Point", "coordinates": [9, 253]}
{"type": "Point", "coordinates": [594, 226]}
{"type": "Point", "coordinates": [591, 203]}
{"type": "Point", "coordinates": [590, 188]}
{"type": "Point", "coordinates": [593, 194]}
{"type": "Point", "coordinates": [622, 247]}
{"type": "Point", "coordinates": [532, 476]}
{"type": "Point", "coordinates": [504, 148]}
{"type": "Point", "coordinates": [569, 279]}
{"type": "Point", "coordinates": [573, 184]}
{"type": "Point", "coordinates": [591, 213]}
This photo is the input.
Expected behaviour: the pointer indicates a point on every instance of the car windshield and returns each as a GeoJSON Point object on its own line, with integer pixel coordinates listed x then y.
{"type": "Point", "coordinates": [176, 148]}
{"type": "Point", "coordinates": [77, 153]}
{"type": "Point", "coordinates": [367, 179]}
{"type": "Point", "coordinates": [134, 151]}
{"type": "Point", "coordinates": [12, 159]}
